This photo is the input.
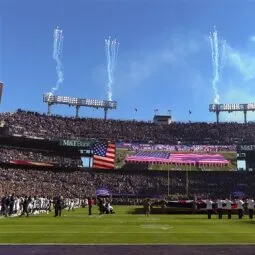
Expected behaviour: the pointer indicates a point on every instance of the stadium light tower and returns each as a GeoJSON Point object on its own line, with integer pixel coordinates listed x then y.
{"type": "Point", "coordinates": [51, 99]}
{"type": "Point", "coordinates": [217, 108]}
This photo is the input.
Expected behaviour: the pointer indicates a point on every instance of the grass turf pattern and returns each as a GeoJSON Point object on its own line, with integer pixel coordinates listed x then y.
{"type": "Point", "coordinates": [124, 227]}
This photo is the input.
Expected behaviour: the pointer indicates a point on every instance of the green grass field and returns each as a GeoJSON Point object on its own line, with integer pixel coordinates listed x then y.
{"type": "Point", "coordinates": [124, 227]}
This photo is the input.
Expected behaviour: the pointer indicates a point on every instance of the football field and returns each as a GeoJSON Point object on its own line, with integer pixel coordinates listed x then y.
{"type": "Point", "coordinates": [125, 228]}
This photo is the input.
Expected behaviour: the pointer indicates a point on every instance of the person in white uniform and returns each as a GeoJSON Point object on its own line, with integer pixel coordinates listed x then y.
{"type": "Point", "coordinates": [220, 208]}
{"type": "Point", "coordinates": [229, 208]}
{"type": "Point", "coordinates": [209, 204]}
{"type": "Point", "coordinates": [250, 204]}
{"type": "Point", "coordinates": [240, 208]}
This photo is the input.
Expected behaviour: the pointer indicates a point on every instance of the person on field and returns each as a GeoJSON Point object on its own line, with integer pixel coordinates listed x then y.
{"type": "Point", "coordinates": [163, 205]}
{"type": "Point", "coordinates": [194, 205]}
{"type": "Point", "coordinates": [5, 205]}
{"type": "Point", "coordinates": [90, 204]}
{"type": "Point", "coordinates": [100, 204]}
{"type": "Point", "coordinates": [109, 208]}
{"type": "Point", "coordinates": [71, 205]}
{"type": "Point", "coordinates": [209, 207]}
{"type": "Point", "coordinates": [26, 202]}
{"type": "Point", "coordinates": [250, 205]}
{"type": "Point", "coordinates": [58, 204]}
{"type": "Point", "coordinates": [12, 200]}
{"type": "Point", "coordinates": [229, 208]}
{"type": "Point", "coordinates": [219, 208]}
{"type": "Point", "coordinates": [147, 207]}
{"type": "Point", "coordinates": [240, 208]}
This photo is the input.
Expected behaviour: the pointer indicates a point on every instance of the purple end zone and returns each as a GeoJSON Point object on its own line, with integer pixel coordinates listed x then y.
{"type": "Point", "coordinates": [126, 249]}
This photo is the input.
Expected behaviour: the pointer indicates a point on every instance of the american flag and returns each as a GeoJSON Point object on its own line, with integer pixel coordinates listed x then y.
{"type": "Point", "coordinates": [174, 158]}
{"type": "Point", "coordinates": [104, 155]}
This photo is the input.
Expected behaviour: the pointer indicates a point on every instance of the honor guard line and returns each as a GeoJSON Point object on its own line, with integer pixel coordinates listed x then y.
{"type": "Point", "coordinates": [51, 99]}
{"type": "Point", "coordinates": [217, 108]}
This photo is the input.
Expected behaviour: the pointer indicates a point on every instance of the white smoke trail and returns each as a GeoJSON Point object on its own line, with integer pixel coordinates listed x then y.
{"type": "Point", "coordinates": [57, 55]}
{"type": "Point", "coordinates": [111, 51]}
{"type": "Point", "coordinates": [218, 48]}
{"type": "Point", "coordinates": [223, 56]}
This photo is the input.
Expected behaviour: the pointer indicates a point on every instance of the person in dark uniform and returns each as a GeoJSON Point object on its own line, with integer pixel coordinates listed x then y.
{"type": "Point", "coordinates": [90, 204]}
{"type": "Point", "coordinates": [7, 205]}
{"type": "Point", "coordinates": [100, 203]}
{"type": "Point", "coordinates": [163, 205]}
{"type": "Point", "coordinates": [25, 204]}
{"type": "Point", "coordinates": [194, 205]}
{"type": "Point", "coordinates": [104, 205]}
{"type": "Point", "coordinates": [147, 207]}
{"type": "Point", "coordinates": [4, 203]}
{"type": "Point", "coordinates": [11, 204]}
{"type": "Point", "coordinates": [55, 205]}
{"type": "Point", "coordinates": [59, 204]}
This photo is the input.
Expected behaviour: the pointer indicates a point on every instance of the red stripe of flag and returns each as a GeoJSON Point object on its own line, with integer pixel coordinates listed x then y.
{"type": "Point", "coordinates": [107, 162]}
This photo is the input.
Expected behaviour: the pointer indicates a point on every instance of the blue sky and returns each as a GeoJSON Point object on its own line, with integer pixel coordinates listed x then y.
{"type": "Point", "coordinates": [164, 59]}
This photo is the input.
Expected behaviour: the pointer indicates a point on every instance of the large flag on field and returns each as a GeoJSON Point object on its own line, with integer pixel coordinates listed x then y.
{"type": "Point", "coordinates": [160, 157]}
{"type": "Point", "coordinates": [104, 155]}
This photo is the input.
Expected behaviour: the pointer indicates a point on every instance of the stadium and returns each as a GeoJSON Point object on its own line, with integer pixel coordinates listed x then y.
{"type": "Point", "coordinates": [96, 181]}
{"type": "Point", "coordinates": [177, 166]}
{"type": "Point", "coordinates": [127, 145]}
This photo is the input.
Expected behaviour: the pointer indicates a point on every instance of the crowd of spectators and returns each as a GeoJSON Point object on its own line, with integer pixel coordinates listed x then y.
{"type": "Point", "coordinates": [73, 184]}
{"type": "Point", "coordinates": [134, 185]}
{"type": "Point", "coordinates": [42, 125]}
{"type": "Point", "coordinates": [8, 154]}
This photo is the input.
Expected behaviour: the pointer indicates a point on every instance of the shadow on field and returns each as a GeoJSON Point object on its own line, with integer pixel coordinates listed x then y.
{"type": "Point", "coordinates": [158, 210]}
{"type": "Point", "coordinates": [249, 222]}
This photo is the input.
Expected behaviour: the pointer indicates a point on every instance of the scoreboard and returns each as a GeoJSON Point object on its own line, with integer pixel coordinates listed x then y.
{"type": "Point", "coordinates": [246, 157]}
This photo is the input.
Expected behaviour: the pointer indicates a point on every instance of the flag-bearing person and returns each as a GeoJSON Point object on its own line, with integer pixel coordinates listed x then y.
{"type": "Point", "coordinates": [209, 207]}
{"type": "Point", "coordinates": [250, 205]}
